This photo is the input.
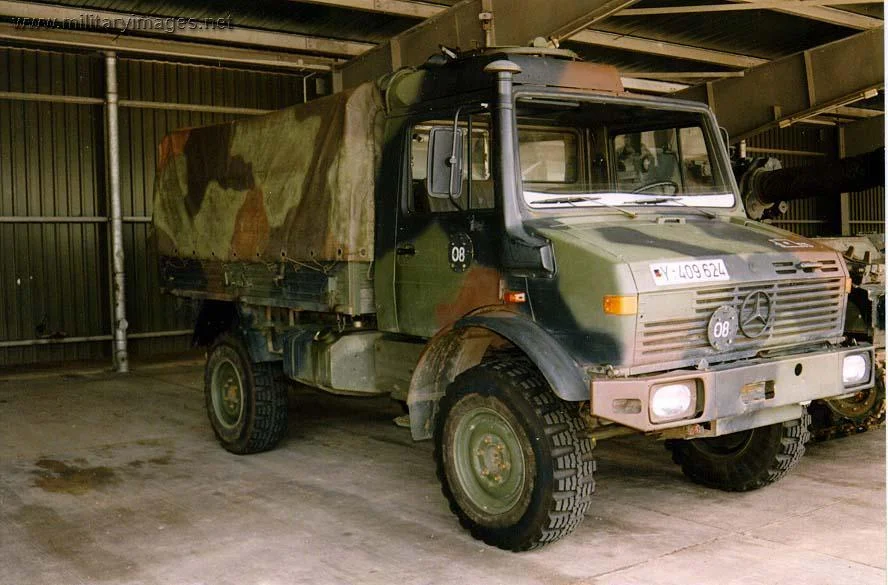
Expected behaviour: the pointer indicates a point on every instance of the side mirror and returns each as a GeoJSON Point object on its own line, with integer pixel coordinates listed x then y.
{"type": "Point", "coordinates": [444, 178]}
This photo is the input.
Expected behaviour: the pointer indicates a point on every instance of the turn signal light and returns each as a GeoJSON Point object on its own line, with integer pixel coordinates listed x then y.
{"type": "Point", "coordinates": [512, 296]}
{"type": "Point", "coordinates": [620, 305]}
{"type": "Point", "coordinates": [848, 284]}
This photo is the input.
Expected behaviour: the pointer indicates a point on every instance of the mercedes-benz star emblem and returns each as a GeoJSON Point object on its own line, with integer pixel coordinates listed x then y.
{"type": "Point", "coordinates": [756, 314]}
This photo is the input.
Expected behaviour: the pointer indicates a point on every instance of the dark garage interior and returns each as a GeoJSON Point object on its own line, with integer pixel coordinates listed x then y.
{"type": "Point", "coordinates": [231, 211]}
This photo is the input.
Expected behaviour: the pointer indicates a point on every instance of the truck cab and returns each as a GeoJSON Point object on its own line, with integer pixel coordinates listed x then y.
{"type": "Point", "coordinates": [555, 262]}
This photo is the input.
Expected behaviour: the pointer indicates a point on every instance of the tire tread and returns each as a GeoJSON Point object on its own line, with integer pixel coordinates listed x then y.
{"type": "Point", "coordinates": [269, 421]}
{"type": "Point", "coordinates": [569, 446]}
{"type": "Point", "coordinates": [756, 469]}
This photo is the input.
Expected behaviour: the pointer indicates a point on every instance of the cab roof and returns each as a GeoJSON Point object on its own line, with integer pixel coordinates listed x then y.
{"type": "Point", "coordinates": [440, 77]}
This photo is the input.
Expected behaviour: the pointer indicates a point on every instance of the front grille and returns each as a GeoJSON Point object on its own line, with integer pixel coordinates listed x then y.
{"type": "Point", "coordinates": [806, 310]}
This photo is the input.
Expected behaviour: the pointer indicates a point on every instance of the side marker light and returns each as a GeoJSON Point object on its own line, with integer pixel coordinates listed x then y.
{"type": "Point", "coordinates": [620, 305]}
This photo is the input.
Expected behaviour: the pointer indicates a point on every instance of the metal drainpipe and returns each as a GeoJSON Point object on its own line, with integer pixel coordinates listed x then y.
{"type": "Point", "coordinates": [305, 87]}
{"type": "Point", "coordinates": [121, 360]}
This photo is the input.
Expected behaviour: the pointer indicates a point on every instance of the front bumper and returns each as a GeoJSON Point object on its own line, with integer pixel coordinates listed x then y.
{"type": "Point", "coordinates": [732, 397]}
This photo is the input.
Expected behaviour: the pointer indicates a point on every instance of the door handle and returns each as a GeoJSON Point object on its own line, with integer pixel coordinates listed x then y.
{"type": "Point", "coordinates": [406, 250]}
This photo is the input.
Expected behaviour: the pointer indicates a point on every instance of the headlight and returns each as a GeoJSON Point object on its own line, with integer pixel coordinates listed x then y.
{"type": "Point", "coordinates": [855, 369]}
{"type": "Point", "coordinates": [673, 401]}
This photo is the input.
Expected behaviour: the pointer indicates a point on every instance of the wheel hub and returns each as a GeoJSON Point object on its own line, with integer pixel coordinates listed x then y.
{"type": "Point", "coordinates": [489, 461]}
{"type": "Point", "coordinates": [231, 401]}
{"type": "Point", "coordinates": [227, 394]}
{"type": "Point", "coordinates": [493, 462]}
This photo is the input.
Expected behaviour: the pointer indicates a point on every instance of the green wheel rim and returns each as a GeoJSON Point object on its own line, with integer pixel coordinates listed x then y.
{"type": "Point", "coordinates": [227, 391]}
{"type": "Point", "coordinates": [488, 461]}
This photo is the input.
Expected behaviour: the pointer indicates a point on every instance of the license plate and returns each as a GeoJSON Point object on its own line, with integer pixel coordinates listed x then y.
{"type": "Point", "coordinates": [691, 271]}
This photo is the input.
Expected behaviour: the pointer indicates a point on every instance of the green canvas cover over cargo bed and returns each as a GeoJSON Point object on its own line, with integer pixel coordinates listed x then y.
{"type": "Point", "coordinates": [293, 184]}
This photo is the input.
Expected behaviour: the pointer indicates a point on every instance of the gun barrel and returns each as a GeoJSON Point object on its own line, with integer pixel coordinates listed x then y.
{"type": "Point", "coordinates": [850, 174]}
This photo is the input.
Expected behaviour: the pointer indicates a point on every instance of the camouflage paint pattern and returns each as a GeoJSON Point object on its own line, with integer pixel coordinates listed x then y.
{"type": "Point", "coordinates": [307, 182]}
{"type": "Point", "coordinates": [599, 255]}
{"type": "Point", "coordinates": [426, 295]}
{"type": "Point", "coordinates": [296, 183]}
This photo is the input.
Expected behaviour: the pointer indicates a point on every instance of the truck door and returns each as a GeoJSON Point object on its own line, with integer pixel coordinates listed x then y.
{"type": "Point", "coordinates": [446, 251]}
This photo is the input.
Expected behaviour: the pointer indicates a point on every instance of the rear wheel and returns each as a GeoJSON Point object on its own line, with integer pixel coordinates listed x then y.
{"type": "Point", "coordinates": [746, 460]}
{"type": "Point", "coordinates": [513, 459]}
{"type": "Point", "coordinates": [246, 402]}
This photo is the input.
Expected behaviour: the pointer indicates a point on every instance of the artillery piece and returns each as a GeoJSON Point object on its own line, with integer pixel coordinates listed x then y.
{"type": "Point", "coordinates": [767, 188]}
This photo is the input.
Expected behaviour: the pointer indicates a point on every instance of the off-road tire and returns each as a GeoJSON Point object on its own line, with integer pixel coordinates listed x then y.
{"type": "Point", "coordinates": [760, 457]}
{"type": "Point", "coordinates": [558, 464]}
{"type": "Point", "coordinates": [262, 415]}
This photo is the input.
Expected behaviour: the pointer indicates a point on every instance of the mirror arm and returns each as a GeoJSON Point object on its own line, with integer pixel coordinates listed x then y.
{"type": "Point", "coordinates": [453, 160]}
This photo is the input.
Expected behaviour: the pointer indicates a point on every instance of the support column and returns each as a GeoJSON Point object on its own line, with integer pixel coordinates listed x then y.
{"type": "Point", "coordinates": [119, 350]}
{"type": "Point", "coordinates": [844, 198]}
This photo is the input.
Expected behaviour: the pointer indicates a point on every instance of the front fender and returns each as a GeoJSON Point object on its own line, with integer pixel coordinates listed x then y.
{"type": "Point", "coordinates": [562, 372]}
{"type": "Point", "coordinates": [463, 346]}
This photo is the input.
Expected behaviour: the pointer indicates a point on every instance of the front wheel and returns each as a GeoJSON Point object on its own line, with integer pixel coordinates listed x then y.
{"type": "Point", "coordinates": [246, 402]}
{"type": "Point", "coordinates": [513, 459]}
{"type": "Point", "coordinates": [746, 460]}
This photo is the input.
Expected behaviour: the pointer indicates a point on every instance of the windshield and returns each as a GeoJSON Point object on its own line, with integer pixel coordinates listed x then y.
{"type": "Point", "coordinates": [575, 154]}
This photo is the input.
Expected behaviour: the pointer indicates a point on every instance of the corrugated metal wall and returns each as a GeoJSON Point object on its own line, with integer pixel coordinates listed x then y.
{"type": "Point", "coordinates": [867, 211]}
{"type": "Point", "coordinates": [51, 164]}
{"type": "Point", "coordinates": [54, 273]}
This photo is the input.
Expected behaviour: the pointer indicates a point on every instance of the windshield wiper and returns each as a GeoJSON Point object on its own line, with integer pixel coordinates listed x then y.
{"type": "Point", "coordinates": [673, 199]}
{"type": "Point", "coordinates": [574, 199]}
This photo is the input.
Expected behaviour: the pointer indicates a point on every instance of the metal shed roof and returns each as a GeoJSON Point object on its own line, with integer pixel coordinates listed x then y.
{"type": "Point", "coordinates": [655, 41]}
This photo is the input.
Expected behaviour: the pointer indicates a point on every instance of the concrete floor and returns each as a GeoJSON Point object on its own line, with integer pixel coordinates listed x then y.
{"type": "Point", "coordinates": [118, 479]}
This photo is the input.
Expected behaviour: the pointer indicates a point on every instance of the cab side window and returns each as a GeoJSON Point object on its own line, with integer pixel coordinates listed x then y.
{"type": "Point", "coordinates": [477, 182]}
{"type": "Point", "coordinates": [548, 156]}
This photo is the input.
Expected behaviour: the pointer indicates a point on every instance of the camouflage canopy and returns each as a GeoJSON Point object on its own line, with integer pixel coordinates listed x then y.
{"type": "Point", "coordinates": [297, 183]}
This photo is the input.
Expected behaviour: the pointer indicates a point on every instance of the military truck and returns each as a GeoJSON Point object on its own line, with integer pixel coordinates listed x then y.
{"type": "Point", "coordinates": [529, 257]}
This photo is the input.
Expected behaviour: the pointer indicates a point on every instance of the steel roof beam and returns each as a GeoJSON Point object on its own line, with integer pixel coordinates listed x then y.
{"type": "Point", "coordinates": [796, 88]}
{"type": "Point", "coordinates": [665, 49]}
{"type": "Point", "coordinates": [162, 48]}
{"type": "Point", "coordinates": [586, 36]}
{"type": "Point", "coordinates": [237, 35]}
{"type": "Point", "coordinates": [852, 112]}
{"type": "Point", "coordinates": [393, 7]}
{"type": "Point", "coordinates": [478, 23]}
{"type": "Point", "coordinates": [744, 5]}
{"type": "Point", "coordinates": [680, 75]}
{"type": "Point", "coordinates": [651, 85]}
{"type": "Point", "coordinates": [829, 15]}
